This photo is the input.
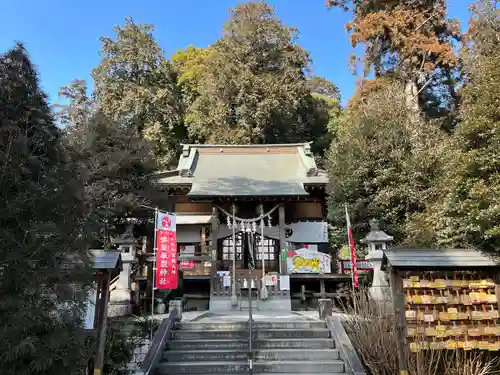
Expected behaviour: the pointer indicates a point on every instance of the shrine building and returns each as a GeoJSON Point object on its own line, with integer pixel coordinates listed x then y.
{"type": "Point", "coordinates": [251, 218]}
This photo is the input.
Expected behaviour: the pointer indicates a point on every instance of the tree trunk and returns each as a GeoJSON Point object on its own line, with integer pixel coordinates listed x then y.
{"type": "Point", "coordinates": [411, 93]}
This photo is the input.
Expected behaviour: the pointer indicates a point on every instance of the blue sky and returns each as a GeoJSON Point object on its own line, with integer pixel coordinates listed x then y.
{"type": "Point", "coordinates": [62, 37]}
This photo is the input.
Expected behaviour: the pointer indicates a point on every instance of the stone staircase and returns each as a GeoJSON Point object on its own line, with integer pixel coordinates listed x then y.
{"type": "Point", "coordinates": [282, 347]}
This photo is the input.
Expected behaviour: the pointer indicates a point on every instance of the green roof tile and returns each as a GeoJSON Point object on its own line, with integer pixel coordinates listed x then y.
{"type": "Point", "coordinates": [255, 172]}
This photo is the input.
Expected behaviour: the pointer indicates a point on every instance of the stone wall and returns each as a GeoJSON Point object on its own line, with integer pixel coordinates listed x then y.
{"type": "Point", "coordinates": [139, 354]}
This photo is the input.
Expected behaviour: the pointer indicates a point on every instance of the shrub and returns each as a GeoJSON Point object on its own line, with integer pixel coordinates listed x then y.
{"type": "Point", "coordinates": [372, 330]}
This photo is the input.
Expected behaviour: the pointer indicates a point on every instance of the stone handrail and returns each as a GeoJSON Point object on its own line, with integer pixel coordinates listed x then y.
{"type": "Point", "coordinates": [160, 340]}
{"type": "Point", "coordinates": [353, 365]}
{"type": "Point", "coordinates": [218, 288]}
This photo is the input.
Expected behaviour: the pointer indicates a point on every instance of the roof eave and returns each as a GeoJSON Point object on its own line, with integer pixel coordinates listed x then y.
{"type": "Point", "coordinates": [195, 145]}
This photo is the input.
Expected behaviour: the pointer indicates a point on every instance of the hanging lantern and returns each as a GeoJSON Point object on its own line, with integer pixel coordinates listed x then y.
{"type": "Point", "coordinates": [229, 225]}
{"type": "Point", "coordinates": [242, 226]}
{"type": "Point", "coordinates": [254, 227]}
{"type": "Point", "coordinates": [269, 221]}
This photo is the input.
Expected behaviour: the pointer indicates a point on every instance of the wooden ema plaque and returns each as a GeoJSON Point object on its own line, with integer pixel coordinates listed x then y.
{"type": "Point", "coordinates": [451, 310]}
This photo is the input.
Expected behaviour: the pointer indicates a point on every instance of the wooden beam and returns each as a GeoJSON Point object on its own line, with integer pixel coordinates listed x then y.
{"type": "Point", "coordinates": [496, 278]}
{"type": "Point", "coordinates": [203, 240]}
{"type": "Point", "coordinates": [103, 325]}
{"type": "Point", "coordinates": [398, 303]}
{"type": "Point", "coordinates": [281, 220]}
{"type": "Point", "coordinates": [322, 290]}
{"type": "Point", "coordinates": [215, 237]}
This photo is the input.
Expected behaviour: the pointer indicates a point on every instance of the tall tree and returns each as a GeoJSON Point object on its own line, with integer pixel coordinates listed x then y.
{"type": "Point", "coordinates": [383, 163]}
{"type": "Point", "coordinates": [80, 106]}
{"type": "Point", "coordinates": [41, 214]}
{"type": "Point", "coordinates": [326, 96]}
{"type": "Point", "coordinates": [413, 42]}
{"type": "Point", "coordinates": [472, 207]}
{"type": "Point", "coordinates": [254, 88]}
{"type": "Point", "coordinates": [136, 85]}
{"type": "Point", "coordinates": [189, 64]}
{"type": "Point", "coordinates": [115, 164]}
{"type": "Point", "coordinates": [326, 107]}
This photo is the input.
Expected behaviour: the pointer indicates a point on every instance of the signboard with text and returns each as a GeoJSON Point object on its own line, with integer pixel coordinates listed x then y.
{"type": "Point", "coordinates": [166, 252]}
{"type": "Point", "coordinates": [306, 260]}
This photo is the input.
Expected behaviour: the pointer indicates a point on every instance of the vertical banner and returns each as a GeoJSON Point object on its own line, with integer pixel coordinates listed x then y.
{"type": "Point", "coordinates": [166, 252]}
{"type": "Point", "coordinates": [354, 265]}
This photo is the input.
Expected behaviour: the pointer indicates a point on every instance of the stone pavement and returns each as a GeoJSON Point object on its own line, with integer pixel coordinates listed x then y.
{"type": "Point", "coordinates": [267, 316]}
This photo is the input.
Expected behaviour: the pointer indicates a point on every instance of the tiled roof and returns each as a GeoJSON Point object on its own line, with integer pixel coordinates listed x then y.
{"type": "Point", "coordinates": [106, 259]}
{"type": "Point", "coordinates": [251, 170]}
{"type": "Point", "coordinates": [438, 258]}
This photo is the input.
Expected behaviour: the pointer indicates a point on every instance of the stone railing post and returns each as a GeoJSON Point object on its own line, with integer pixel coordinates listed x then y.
{"type": "Point", "coordinates": [325, 308]}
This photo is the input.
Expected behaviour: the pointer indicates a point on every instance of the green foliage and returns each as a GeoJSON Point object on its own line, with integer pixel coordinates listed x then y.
{"type": "Point", "coordinates": [250, 86]}
{"type": "Point", "coordinates": [472, 206]}
{"type": "Point", "coordinates": [115, 164]}
{"type": "Point", "coordinates": [123, 337]}
{"type": "Point", "coordinates": [41, 216]}
{"type": "Point", "coordinates": [253, 87]}
{"type": "Point", "coordinates": [75, 115]}
{"type": "Point", "coordinates": [136, 86]}
{"type": "Point", "coordinates": [413, 42]}
{"type": "Point", "coordinates": [189, 65]}
{"type": "Point", "coordinates": [383, 164]}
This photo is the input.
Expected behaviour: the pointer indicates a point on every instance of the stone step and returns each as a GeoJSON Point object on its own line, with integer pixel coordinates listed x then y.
{"type": "Point", "coordinates": [242, 355]}
{"type": "Point", "coordinates": [293, 367]}
{"type": "Point", "coordinates": [296, 355]}
{"type": "Point", "coordinates": [229, 344]}
{"type": "Point", "coordinates": [198, 326]}
{"type": "Point", "coordinates": [205, 355]}
{"type": "Point", "coordinates": [260, 334]}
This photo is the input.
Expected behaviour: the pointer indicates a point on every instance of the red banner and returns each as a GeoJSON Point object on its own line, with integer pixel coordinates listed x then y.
{"type": "Point", "coordinates": [350, 237]}
{"type": "Point", "coordinates": [166, 252]}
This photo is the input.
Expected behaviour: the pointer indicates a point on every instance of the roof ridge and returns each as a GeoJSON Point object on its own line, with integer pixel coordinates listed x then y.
{"type": "Point", "coordinates": [205, 145]}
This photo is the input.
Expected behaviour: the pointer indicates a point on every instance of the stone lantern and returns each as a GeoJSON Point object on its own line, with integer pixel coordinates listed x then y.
{"type": "Point", "coordinates": [377, 241]}
{"type": "Point", "coordinates": [120, 298]}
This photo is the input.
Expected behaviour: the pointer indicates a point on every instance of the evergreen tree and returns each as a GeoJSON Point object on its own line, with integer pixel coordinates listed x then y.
{"type": "Point", "coordinates": [116, 165]}
{"type": "Point", "coordinates": [253, 87]}
{"type": "Point", "coordinates": [41, 214]}
{"type": "Point", "coordinates": [136, 86]}
{"type": "Point", "coordinates": [75, 115]}
{"type": "Point", "coordinates": [472, 206]}
{"type": "Point", "coordinates": [383, 163]}
{"type": "Point", "coordinates": [411, 41]}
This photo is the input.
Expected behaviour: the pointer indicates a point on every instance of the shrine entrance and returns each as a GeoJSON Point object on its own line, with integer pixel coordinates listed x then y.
{"type": "Point", "coordinates": [264, 249]}
{"type": "Point", "coordinates": [247, 261]}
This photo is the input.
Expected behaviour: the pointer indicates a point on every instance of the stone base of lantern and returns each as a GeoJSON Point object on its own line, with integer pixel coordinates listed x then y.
{"type": "Point", "coordinates": [119, 303]}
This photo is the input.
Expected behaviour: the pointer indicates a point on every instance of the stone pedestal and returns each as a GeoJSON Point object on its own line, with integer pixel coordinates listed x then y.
{"type": "Point", "coordinates": [377, 241]}
{"type": "Point", "coordinates": [160, 307]}
{"type": "Point", "coordinates": [379, 291]}
{"type": "Point", "coordinates": [120, 303]}
{"type": "Point", "coordinates": [325, 308]}
{"type": "Point", "coordinates": [175, 304]}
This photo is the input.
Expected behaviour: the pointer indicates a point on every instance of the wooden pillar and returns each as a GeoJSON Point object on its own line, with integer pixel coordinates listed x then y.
{"type": "Point", "coordinates": [322, 291]}
{"type": "Point", "coordinates": [213, 247]}
{"type": "Point", "coordinates": [398, 304]}
{"type": "Point", "coordinates": [496, 278]}
{"type": "Point", "coordinates": [203, 240]}
{"type": "Point", "coordinates": [281, 220]}
{"type": "Point", "coordinates": [97, 315]}
{"type": "Point", "coordinates": [103, 325]}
